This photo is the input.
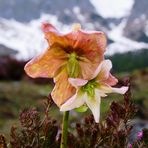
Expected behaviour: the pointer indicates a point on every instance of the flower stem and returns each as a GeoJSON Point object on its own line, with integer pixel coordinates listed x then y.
{"type": "Point", "coordinates": [64, 130]}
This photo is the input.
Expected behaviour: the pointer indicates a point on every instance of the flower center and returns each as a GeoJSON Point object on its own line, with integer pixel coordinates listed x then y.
{"type": "Point", "coordinates": [73, 65]}
{"type": "Point", "coordinates": [89, 88]}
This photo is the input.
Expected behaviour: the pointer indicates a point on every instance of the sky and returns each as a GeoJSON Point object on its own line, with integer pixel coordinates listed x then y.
{"type": "Point", "coordinates": [113, 8]}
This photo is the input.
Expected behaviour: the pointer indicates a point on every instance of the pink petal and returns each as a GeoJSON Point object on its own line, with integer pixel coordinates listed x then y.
{"type": "Point", "coordinates": [111, 80]}
{"type": "Point", "coordinates": [77, 82]}
{"type": "Point", "coordinates": [46, 27]}
{"type": "Point", "coordinates": [103, 70]}
{"type": "Point", "coordinates": [74, 102]}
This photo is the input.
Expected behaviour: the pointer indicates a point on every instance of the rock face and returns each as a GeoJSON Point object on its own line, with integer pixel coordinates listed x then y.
{"type": "Point", "coordinates": [5, 51]}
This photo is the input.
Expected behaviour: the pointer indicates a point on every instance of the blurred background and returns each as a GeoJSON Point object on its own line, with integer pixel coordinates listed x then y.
{"type": "Point", "coordinates": [125, 23]}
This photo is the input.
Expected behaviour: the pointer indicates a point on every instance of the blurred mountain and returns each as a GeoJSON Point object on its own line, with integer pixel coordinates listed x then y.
{"type": "Point", "coordinates": [67, 11]}
{"type": "Point", "coordinates": [20, 22]}
{"type": "Point", "coordinates": [137, 23]}
{"type": "Point", "coordinates": [5, 51]}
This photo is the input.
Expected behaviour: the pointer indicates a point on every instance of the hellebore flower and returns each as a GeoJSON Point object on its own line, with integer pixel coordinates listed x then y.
{"type": "Point", "coordinates": [75, 54]}
{"type": "Point", "coordinates": [89, 92]}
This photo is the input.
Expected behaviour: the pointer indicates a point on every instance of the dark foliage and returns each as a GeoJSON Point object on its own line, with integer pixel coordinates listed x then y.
{"type": "Point", "coordinates": [11, 69]}
{"type": "Point", "coordinates": [130, 61]}
{"type": "Point", "coordinates": [2, 142]}
{"type": "Point", "coordinates": [113, 132]}
{"type": "Point", "coordinates": [34, 132]}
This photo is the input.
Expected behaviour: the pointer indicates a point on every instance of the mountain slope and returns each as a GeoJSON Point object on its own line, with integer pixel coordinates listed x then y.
{"type": "Point", "coordinates": [20, 22]}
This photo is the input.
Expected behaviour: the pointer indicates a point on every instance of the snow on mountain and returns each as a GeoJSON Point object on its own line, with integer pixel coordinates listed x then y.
{"type": "Point", "coordinates": [26, 38]}
{"type": "Point", "coordinates": [20, 25]}
{"type": "Point", "coordinates": [113, 8]}
{"type": "Point", "coordinates": [121, 43]}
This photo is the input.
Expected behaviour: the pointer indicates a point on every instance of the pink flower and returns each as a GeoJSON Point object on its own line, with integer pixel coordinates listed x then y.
{"type": "Point", "coordinates": [75, 54]}
{"type": "Point", "coordinates": [89, 92]}
{"type": "Point", "coordinates": [130, 146]}
{"type": "Point", "coordinates": [140, 135]}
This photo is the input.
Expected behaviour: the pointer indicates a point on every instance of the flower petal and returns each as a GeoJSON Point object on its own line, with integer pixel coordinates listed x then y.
{"type": "Point", "coordinates": [103, 70]}
{"type": "Point", "coordinates": [94, 105]}
{"type": "Point", "coordinates": [75, 41]}
{"type": "Point", "coordinates": [90, 46]}
{"type": "Point", "coordinates": [74, 102]}
{"type": "Point", "coordinates": [121, 90]}
{"type": "Point", "coordinates": [77, 82]}
{"type": "Point", "coordinates": [111, 81]}
{"type": "Point", "coordinates": [105, 88]}
{"type": "Point", "coordinates": [108, 89]}
{"type": "Point", "coordinates": [47, 64]}
{"type": "Point", "coordinates": [88, 43]}
{"type": "Point", "coordinates": [100, 93]}
{"type": "Point", "coordinates": [63, 90]}
{"type": "Point", "coordinates": [53, 35]}
{"type": "Point", "coordinates": [87, 68]}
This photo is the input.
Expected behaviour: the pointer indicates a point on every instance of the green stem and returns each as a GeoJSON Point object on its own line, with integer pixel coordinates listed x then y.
{"type": "Point", "coordinates": [64, 130]}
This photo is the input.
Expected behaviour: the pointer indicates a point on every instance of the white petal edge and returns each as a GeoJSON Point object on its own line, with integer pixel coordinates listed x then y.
{"type": "Point", "coordinates": [74, 102]}
{"type": "Point", "coordinates": [94, 105]}
{"type": "Point", "coordinates": [100, 93]}
{"type": "Point", "coordinates": [121, 90]}
{"type": "Point", "coordinates": [104, 67]}
{"type": "Point", "coordinates": [77, 82]}
{"type": "Point", "coordinates": [108, 89]}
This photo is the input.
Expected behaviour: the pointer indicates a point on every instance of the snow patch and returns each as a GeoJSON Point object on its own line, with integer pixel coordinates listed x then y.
{"type": "Point", "coordinates": [113, 8]}
{"type": "Point", "coordinates": [27, 38]}
{"type": "Point", "coordinates": [121, 43]}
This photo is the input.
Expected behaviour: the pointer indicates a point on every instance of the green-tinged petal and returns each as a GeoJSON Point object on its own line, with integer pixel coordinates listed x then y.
{"type": "Point", "coordinates": [90, 47]}
{"type": "Point", "coordinates": [94, 105]}
{"type": "Point", "coordinates": [74, 102]}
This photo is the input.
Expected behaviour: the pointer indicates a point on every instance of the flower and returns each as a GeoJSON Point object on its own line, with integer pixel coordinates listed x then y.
{"type": "Point", "coordinates": [89, 92]}
{"type": "Point", "coordinates": [130, 146]}
{"type": "Point", "coordinates": [140, 135]}
{"type": "Point", "coordinates": [75, 54]}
